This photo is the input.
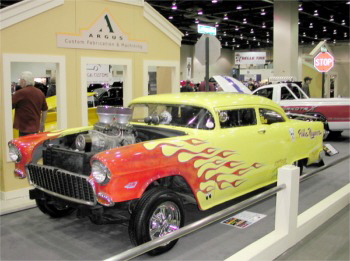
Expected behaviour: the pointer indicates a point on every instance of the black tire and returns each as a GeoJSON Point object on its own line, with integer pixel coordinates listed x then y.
{"type": "Point", "coordinates": [299, 164]}
{"type": "Point", "coordinates": [53, 210]}
{"type": "Point", "coordinates": [152, 202]}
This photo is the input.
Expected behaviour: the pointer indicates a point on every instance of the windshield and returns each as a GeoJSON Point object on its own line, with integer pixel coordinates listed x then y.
{"type": "Point", "coordinates": [175, 115]}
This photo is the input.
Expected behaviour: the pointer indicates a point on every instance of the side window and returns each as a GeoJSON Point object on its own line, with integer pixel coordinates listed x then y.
{"type": "Point", "coordinates": [270, 116]}
{"type": "Point", "coordinates": [237, 118]}
{"type": "Point", "coordinates": [286, 94]}
{"type": "Point", "coordinates": [265, 92]}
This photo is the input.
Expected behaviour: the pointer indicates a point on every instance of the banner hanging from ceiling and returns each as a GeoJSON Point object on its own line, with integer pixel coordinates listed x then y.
{"type": "Point", "coordinates": [250, 58]}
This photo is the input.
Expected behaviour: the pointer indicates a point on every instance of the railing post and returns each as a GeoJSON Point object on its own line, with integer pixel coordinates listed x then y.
{"type": "Point", "coordinates": [287, 201]}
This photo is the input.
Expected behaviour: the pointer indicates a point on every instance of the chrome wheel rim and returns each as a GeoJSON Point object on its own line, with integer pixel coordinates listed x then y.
{"type": "Point", "coordinates": [165, 219]}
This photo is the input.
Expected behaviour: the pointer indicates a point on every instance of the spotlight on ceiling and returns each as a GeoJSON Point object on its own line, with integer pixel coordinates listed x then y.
{"type": "Point", "coordinates": [311, 25]}
{"type": "Point", "coordinates": [174, 6]}
{"type": "Point", "coordinates": [324, 29]}
{"type": "Point", "coordinates": [214, 1]}
{"type": "Point", "coordinates": [239, 7]}
{"type": "Point", "coordinates": [263, 12]}
{"type": "Point", "coordinates": [331, 18]}
{"type": "Point", "coordinates": [197, 21]}
{"type": "Point", "coordinates": [236, 28]}
{"type": "Point", "coordinates": [171, 17]}
{"type": "Point", "coordinates": [244, 20]}
{"type": "Point", "coordinates": [225, 17]}
{"type": "Point", "coordinates": [315, 13]}
{"type": "Point", "coordinates": [263, 25]}
{"type": "Point", "coordinates": [200, 12]}
{"type": "Point", "coordinates": [343, 22]}
{"type": "Point", "coordinates": [300, 8]}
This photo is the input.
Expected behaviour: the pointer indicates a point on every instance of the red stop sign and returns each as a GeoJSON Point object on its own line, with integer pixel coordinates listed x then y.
{"type": "Point", "coordinates": [323, 62]}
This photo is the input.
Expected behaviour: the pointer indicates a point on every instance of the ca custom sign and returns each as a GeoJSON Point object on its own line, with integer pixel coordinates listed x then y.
{"type": "Point", "coordinates": [323, 61]}
{"type": "Point", "coordinates": [104, 34]}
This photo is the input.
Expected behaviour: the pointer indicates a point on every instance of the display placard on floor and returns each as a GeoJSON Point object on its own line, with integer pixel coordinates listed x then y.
{"type": "Point", "coordinates": [243, 219]}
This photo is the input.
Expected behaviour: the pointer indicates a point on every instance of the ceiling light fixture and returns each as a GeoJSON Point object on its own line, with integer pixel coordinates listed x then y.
{"type": "Point", "coordinates": [267, 34]}
{"type": "Point", "coordinates": [343, 22]}
{"type": "Point", "coordinates": [254, 39]}
{"type": "Point", "coordinates": [238, 45]}
{"type": "Point", "coordinates": [324, 29]}
{"type": "Point", "coordinates": [302, 41]}
{"type": "Point", "coordinates": [315, 13]}
{"type": "Point", "coordinates": [335, 32]}
{"type": "Point", "coordinates": [216, 24]}
{"type": "Point", "coordinates": [233, 47]}
{"type": "Point", "coordinates": [236, 28]}
{"type": "Point", "coordinates": [171, 17]}
{"type": "Point", "coordinates": [226, 44]}
{"type": "Point", "coordinates": [263, 25]}
{"type": "Point", "coordinates": [239, 7]}
{"type": "Point", "coordinates": [244, 20]}
{"type": "Point", "coordinates": [200, 12]}
{"type": "Point", "coordinates": [331, 18]}
{"type": "Point", "coordinates": [197, 21]}
{"type": "Point", "coordinates": [174, 6]}
{"type": "Point", "coordinates": [225, 33]}
{"type": "Point", "coordinates": [247, 42]}
{"type": "Point", "coordinates": [316, 36]}
{"type": "Point", "coordinates": [233, 40]}
{"type": "Point", "coordinates": [263, 12]}
{"type": "Point", "coordinates": [311, 25]}
{"type": "Point", "coordinates": [334, 41]}
{"type": "Point", "coordinates": [252, 31]}
{"type": "Point", "coordinates": [267, 40]}
{"type": "Point", "coordinates": [186, 34]}
{"type": "Point", "coordinates": [214, 1]}
{"type": "Point", "coordinates": [225, 17]}
{"type": "Point", "coordinates": [348, 2]}
{"type": "Point", "coordinates": [300, 8]}
{"type": "Point", "coordinates": [345, 34]}
{"type": "Point", "coordinates": [313, 43]}
{"type": "Point", "coordinates": [258, 43]}
{"type": "Point", "coordinates": [298, 22]}
{"type": "Point", "coordinates": [304, 34]}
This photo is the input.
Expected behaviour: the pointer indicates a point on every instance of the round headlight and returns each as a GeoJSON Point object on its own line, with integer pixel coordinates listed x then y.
{"type": "Point", "coordinates": [100, 173]}
{"type": "Point", "coordinates": [14, 153]}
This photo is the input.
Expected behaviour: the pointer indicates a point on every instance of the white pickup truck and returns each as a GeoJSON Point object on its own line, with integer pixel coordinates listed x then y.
{"type": "Point", "coordinates": [336, 111]}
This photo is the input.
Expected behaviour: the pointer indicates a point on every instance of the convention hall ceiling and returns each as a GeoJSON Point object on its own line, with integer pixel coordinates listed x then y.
{"type": "Point", "coordinates": [249, 24]}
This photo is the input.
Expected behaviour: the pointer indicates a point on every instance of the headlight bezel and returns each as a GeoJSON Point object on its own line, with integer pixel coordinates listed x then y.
{"type": "Point", "coordinates": [14, 153]}
{"type": "Point", "coordinates": [100, 172]}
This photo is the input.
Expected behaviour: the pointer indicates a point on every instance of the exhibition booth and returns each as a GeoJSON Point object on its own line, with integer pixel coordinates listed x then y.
{"type": "Point", "coordinates": [170, 164]}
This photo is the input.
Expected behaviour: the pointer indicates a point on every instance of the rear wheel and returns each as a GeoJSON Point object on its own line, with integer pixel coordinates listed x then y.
{"type": "Point", "coordinates": [299, 164]}
{"type": "Point", "coordinates": [158, 213]}
{"type": "Point", "coordinates": [53, 210]}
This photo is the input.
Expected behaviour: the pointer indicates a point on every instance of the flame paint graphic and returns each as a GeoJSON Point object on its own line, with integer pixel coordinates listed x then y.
{"type": "Point", "coordinates": [215, 168]}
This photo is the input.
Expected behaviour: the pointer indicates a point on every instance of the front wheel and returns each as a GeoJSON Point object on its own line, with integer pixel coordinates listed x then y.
{"type": "Point", "coordinates": [53, 210]}
{"type": "Point", "coordinates": [158, 213]}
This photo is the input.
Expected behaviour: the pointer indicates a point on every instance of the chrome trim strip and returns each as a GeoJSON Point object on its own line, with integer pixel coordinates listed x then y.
{"type": "Point", "coordinates": [67, 198]}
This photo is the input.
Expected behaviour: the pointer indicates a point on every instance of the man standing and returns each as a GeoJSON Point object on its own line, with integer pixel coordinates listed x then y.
{"type": "Point", "coordinates": [30, 106]}
{"type": "Point", "coordinates": [305, 87]}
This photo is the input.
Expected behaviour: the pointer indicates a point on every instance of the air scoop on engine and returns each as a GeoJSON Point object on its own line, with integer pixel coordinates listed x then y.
{"type": "Point", "coordinates": [111, 131]}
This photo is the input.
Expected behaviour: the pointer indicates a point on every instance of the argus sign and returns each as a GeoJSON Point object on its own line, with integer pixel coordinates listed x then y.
{"type": "Point", "coordinates": [323, 62]}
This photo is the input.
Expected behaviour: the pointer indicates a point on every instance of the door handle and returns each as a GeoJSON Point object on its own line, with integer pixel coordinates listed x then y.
{"type": "Point", "coordinates": [262, 131]}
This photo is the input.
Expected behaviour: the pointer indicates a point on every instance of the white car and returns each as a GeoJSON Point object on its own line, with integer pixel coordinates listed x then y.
{"type": "Point", "coordinates": [336, 111]}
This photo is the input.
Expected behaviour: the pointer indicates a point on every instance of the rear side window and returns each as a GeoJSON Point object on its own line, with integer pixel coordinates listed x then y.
{"type": "Point", "coordinates": [237, 118]}
{"type": "Point", "coordinates": [286, 94]}
{"type": "Point", "coordinates": [265, 92]}
{"type": "Point", "coordinates": [269, 116]}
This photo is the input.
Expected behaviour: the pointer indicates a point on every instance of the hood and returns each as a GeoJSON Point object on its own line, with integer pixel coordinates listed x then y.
{"type": "Point", "coordinates": [230, 84]}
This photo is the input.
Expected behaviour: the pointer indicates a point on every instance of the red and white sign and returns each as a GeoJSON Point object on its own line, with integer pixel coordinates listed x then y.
{"type": "Point", "coordinates": [323, 62]}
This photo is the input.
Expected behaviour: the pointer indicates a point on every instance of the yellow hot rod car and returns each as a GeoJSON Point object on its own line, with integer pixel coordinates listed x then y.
{"type": "Point", "coordinates": [142, 159]}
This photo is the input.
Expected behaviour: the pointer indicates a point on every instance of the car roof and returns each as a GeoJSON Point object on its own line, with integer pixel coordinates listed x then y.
{"type": "Point", "coordinates": [205, 99]}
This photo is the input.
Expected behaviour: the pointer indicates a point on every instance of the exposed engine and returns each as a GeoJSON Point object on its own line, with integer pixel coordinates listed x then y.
{"type": "Point", "coordinates": [113, 130]}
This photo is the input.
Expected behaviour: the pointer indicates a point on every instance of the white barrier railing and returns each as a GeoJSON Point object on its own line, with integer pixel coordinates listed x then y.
{"type": "Point", "coordinates": [289, 227]}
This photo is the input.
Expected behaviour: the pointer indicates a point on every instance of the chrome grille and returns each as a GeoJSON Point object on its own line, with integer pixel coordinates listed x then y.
{"type": "Point", "coordinates": [62, 183]}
